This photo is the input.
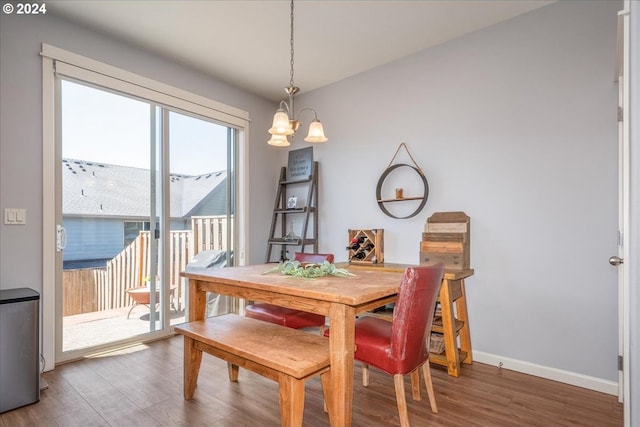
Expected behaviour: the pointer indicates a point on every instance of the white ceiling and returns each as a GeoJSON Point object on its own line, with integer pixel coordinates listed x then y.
{"type": "Point", "coordinates": [246, 43]}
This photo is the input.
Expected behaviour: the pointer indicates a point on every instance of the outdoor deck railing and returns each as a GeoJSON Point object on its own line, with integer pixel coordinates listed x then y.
{"type": "Point", "coordinates": [88, 290]}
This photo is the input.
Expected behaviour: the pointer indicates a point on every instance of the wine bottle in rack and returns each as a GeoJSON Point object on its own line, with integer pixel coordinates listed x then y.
{"type": "Point", "coordinates": [360, 255]}
{"type": "Point", "coordinates": [355, 243]}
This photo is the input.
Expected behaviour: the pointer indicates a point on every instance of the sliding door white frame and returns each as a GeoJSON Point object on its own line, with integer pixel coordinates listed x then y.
{"type": "Point", "coordinates": [68, 64]}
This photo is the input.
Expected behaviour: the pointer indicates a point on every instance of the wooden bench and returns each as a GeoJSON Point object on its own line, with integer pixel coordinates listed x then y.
{"type": "Point", "coordinates": [282, 354]}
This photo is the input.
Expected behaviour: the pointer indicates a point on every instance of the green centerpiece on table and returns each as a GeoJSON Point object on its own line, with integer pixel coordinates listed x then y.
{"type": "Point", "coordinates": [308, 270]}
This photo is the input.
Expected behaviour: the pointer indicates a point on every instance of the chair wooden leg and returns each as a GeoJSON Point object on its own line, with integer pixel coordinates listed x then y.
{"type": "Point", "coordinates": [426, 370]}
{"type": "Point", "coordinates": [233, 372]}
{"type": "Point", "coordinates": [325, 378]}
{"type": "Point", "coordinates": [415, 384]}
{"type": "Point", "coordinates": [291, 401]}
{"type": "Point", "coordinates": [401, 400]}
{"type": "Point", "coordinates": [365, 374]}
{"type": "Point", "coordinates": [191, 369]}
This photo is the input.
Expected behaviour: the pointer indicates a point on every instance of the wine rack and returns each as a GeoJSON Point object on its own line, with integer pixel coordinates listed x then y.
{"type": "Point", "coordinates": [366, 246]}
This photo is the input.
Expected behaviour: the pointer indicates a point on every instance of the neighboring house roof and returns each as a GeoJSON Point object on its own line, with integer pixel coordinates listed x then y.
{"type": "Point", "coordinates": [100, 189]}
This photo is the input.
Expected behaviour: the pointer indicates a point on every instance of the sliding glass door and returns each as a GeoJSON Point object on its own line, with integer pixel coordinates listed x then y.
{"type": "Point", "coordinates": [145, 190]}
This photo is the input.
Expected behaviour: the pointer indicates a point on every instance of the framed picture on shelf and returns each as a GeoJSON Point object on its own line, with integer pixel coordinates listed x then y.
{"type": "Point", "coordinates": [300, 163]}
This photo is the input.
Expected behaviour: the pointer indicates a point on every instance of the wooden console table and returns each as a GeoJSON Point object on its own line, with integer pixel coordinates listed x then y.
{"type": "Point", "coordinates": [453, 322]}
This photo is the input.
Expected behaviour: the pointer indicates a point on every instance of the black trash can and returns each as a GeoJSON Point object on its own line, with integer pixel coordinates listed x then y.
{"type": "Point", "coordinates": [19, 348]}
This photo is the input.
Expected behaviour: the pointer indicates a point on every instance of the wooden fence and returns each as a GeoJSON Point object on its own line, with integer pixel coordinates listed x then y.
{"type": "Point", "coordinates": [88, 290]}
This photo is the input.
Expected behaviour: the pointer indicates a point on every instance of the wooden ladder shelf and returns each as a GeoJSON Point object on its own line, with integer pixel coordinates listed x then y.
{"type": "Point", "coordinates": [279, 234]}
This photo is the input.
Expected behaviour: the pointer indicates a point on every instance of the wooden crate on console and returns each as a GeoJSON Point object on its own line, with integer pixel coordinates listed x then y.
{"type": "Point", "coordinates": [366, 246]}
{"type": "Point", "coordinates": [447, 238]}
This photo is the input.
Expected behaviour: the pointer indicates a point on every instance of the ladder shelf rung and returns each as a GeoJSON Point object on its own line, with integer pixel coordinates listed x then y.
{"type": "Point", "coordinates": [295, 210]}
{"type": "Point", "coordinates": [296, 181]}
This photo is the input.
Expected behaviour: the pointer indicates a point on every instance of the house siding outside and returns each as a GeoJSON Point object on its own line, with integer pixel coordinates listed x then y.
{"type": "Point", "coordinates": [93, 238]}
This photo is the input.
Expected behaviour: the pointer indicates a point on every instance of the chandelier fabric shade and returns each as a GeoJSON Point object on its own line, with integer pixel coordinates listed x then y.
{"type": "Point", "coordinates": [284, 122]}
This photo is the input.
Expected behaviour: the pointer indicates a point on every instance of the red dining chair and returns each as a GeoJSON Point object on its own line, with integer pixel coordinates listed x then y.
{"type": "Point", "coordinates": [401, 346]}
{"type": "Point", "coordinates": [292, 318]}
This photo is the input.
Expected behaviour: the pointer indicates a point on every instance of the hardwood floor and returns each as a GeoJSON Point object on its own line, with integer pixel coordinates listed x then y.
{"type": "Point", "coordinates": [142, 386]}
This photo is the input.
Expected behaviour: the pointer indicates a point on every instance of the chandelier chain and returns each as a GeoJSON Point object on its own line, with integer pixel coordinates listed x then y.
{"type": "Point", "coordinates": [291, 51]}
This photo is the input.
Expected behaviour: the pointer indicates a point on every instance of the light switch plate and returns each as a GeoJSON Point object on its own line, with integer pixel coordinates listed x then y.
{"type": "Point", "coordinates": [15, 216]}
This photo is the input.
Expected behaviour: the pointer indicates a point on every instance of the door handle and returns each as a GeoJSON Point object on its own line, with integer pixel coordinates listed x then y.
{"type": "Point", "coordinates": [61, 238]}
{"type": "Point", "coordinates": [616, 260]}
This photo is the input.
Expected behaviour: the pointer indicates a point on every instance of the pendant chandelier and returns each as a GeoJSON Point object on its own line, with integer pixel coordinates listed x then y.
{"type": "Point", "coordinates": [285, 123]}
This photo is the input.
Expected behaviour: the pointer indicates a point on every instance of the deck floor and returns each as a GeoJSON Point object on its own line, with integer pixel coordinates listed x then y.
{"type": "Point", "coordinates": [99, 327]}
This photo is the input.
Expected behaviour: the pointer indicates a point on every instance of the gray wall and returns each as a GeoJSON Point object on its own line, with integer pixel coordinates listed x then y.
{"type": "Point", "coordinates": [515, 125]}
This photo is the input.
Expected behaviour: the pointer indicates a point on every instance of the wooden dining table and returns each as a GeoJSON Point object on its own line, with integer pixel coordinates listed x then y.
{"type": "Point", "coordinates": [338, 298]}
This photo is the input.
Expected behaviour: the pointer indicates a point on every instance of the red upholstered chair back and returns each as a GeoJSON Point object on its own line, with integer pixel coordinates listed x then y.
{"type": "Point", "coordinates": [413, 315]}
{"type": "Point", "coordinates": [312, 258]}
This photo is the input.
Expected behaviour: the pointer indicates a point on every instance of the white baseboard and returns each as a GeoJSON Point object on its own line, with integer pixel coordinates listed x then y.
{"type": "Point", "coordinates": [567, 377]}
